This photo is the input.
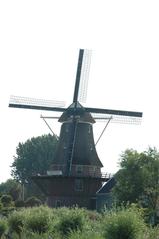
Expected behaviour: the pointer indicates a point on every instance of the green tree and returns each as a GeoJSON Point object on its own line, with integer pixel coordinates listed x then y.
{"type": "Point", "coordinates": [7, 200]}
{"type": "Point", "coordinates": [138, 179]}
{"type": "Point", "coordinates": [11, 187]}
{"type": "Point", "coordinates": [33, 157]}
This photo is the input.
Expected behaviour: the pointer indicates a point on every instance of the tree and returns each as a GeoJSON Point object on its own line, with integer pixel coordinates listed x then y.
{"type": "Point", "coordinates": [35, 156]}
{"type": "Point", "coordinates": [138, 179]}
{"type": "Point", "coordinates": [7, 200]}
{"type": "Point", "coordinates": [11, 187]}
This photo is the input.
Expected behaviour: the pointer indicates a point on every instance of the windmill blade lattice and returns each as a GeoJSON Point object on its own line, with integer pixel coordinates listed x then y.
{"type": "Point", "coordinates": [117, 116]}
{"type": "Point", "coordinates": [33, 103]}
{"type": "Point", "coordinates": [117, 119]}
{"type": "Point", "coordinates": [85, 70]}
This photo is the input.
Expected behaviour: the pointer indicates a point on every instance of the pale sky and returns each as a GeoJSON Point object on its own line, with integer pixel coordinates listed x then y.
{"type": "Point", "coordinates": [39, 43]}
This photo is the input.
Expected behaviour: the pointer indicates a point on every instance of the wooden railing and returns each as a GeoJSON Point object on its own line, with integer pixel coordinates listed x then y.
{"type": "Point", "coordinates": [87, 171]}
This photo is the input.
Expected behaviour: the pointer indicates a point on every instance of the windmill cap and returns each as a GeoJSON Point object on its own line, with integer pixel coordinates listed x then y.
{"type": "Point", "coordinates": [76, 111]}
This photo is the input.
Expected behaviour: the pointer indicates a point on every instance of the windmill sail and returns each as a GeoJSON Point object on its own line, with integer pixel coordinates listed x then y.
{"type": "Point", "coordinates": [117, 116]}
{"type": "Point", "coordinates": [83, 87]}
{"type": "Point", "coordinates": [78, 75]}
{"type": "Point", "coordinates": [38, 104]}
{"type": "Point", "coordinates": [82, 76]}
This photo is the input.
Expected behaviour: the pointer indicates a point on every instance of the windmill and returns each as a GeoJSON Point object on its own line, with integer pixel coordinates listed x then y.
{"type": "Point", "coordinates": [75, 175]}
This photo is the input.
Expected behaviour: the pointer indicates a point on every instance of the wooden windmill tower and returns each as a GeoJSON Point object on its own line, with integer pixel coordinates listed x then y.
{"type": "Point", "coordinates": [75, 175]}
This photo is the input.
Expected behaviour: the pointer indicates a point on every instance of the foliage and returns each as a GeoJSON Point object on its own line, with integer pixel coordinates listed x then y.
{"type": "Point", "coordinates": [33, 157]}
{"type": "Point", "coordinates": [1, 205]}
{"type": "Point", "coordinates": [129, 178]}
{"type": "Point", "coordinates": [73, 220]}
{"type": "Point", "coordinates": [19, 203]}
{"type": "Point", "coordinates": [152, 233]}
{"type": "Point", "coordinates": [32, 202]}
{"type": "Point", "coordinates": [16, 222]}
{"type": "Point", "coordinates": [138, 179]}
{"type": "Point", "coordinates": [7, 205]}
{"type": "Point", "coordinates": [84, 235]}
{"type": "Point", "coordinates": [38, 220]}
{"type": "Point", "coordinates": [3, 226]}
{"type": "Point", "coordinates": [123, 224]}
{"type": "Point", "coordinates": [7, 200]}
{"type": "Point", "coordinates": [11, 187]}
{"type": "Point", "coordinates": [45, 223]}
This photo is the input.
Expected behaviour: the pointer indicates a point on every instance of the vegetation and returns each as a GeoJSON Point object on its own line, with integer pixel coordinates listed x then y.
{"type": "Point", "coordinates": [16, 223]}
{"type": "Point", "coordinates": [75, 223]}
{"type": "Point", "coordinates": [137, 183]}
{"type": "Point", "coordinates": [6, 205]}
{"type": "Point", "coordinates": [33, 157]}
{"type": "Point", "coordinates": [3, 227]}
{"type": "Point", "coordinates": [6, 200]}
{"type": "Point", "coordinates": [124, 224]}
{"type": "Point", "coordinates": [138, 180]}
{"type": "Point", "coordinates": [32, 202]}
{"type": "Point", "coordinates": [38, 220]}
{"type": "Point", "coordinates": [72, 222]}
{"type": "Point", "coordinates": [11, 187]}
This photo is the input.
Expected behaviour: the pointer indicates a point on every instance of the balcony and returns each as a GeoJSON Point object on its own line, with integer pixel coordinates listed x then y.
{"type": "Point", "coordinates": [79, 171]}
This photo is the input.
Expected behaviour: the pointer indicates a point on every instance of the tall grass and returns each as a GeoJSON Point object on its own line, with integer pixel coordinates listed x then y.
{"type": "Point", "coordinates": [3, 226]}
{"type": "Point", "coordinates": [72, 221]}
{"type": "Point", "coordinates": [75, 223]}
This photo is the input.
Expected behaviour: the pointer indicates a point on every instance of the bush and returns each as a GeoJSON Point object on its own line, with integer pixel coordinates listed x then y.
{"type": "Point", "coordinates": [152, 233]}
{"type": "Point", "coordinates": [33, 202]}
{"type": "Point", "coordinates": [124, 224]}
{"type": "Point", "coordinates": [16, 222]}
{"type": "Point", "coordinates": [38, 220]}
{"type": "Point", "coordinates": [7, 200]}
{"type": "Point", "coordinates": [3, 226]}
{"type": "Point", "coordinates": [6, 211]}
{"type": "Point", "coordinates": [19, 203]}
{"type": "Point", "coordinates": [84, 235]}
{"type": "Point", "coordinates": [73, 220]}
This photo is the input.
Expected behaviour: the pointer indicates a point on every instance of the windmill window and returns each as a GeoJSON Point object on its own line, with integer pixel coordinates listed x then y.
{"type": "Point", "coordinates": [79, 169]}
{"type": "Point", "coordinates": [78, 185]}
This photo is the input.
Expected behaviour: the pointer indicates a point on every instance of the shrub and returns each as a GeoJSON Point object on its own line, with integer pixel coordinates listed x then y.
{"type": "Point", "coordinates": [3, 226]}
{"type": "Point", "coordinates": [19, 203]}
{"type": "Point", "coordinates": [6, 211]}
{"type": "Point", "coordinates": [38, 220]}
{"type": "Point", "coordinates": [33, 202]}
{"type": "Point", "coordinates": [124, 224]}
{"type": "Point", "coordinates": [73, 220]}
{"type": "Point", "coordinates": [7, 200]}
{"type": "Point", "coordinates": [16, 222]}
{"type": "Point", "coordinates": [84, 235]}
{"type": "Point", "coordinates": [152, 233]}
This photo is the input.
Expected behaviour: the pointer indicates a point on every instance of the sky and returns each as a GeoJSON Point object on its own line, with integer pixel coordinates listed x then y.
{"type": "Point", "coordinates": [39, 44]}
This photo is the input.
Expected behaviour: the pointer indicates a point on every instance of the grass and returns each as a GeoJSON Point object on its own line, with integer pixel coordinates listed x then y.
{"type": "Point", "coordinates": [75, 223]}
